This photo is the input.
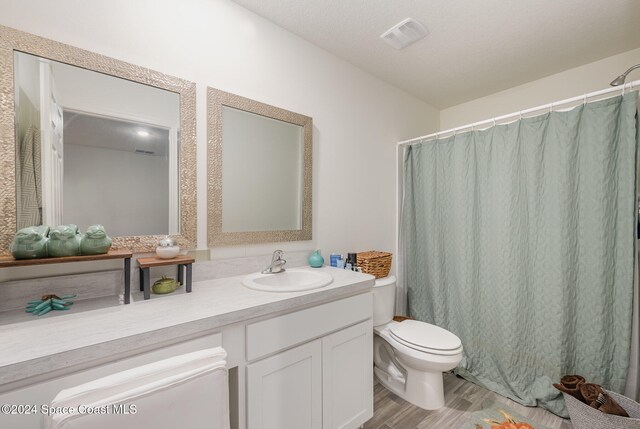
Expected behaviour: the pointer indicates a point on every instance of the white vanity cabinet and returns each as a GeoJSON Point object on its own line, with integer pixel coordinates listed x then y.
{"type": "Point", "coordinates": [306, 365]}
{"type": "Point", "coordinates": [325, 383]}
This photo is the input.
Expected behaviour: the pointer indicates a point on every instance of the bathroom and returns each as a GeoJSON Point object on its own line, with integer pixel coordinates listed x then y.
{"type": "Point", "coordinates": [359, 104]}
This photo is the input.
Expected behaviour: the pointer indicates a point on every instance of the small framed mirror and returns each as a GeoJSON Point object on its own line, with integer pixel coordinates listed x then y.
{"type": "Point", "coordinates": [259, 172]}
{"type": "Point", "coordinates": [89, 139]}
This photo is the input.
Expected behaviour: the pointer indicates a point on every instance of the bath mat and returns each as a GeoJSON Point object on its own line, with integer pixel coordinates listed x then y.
{"type": "Point", "coordinates": [500, 417]}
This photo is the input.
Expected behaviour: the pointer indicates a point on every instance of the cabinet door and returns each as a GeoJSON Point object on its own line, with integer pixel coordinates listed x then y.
{"type": "Point", "coordinates": [285, 391]}
{"type": "Point", "coordinates": [347, 369]}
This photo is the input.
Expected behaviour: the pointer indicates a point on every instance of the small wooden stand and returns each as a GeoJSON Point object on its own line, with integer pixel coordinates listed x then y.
{"type": "Point", "coordinates": [183, 262]}
{"type": "Point", "coordinates": [9, 261]}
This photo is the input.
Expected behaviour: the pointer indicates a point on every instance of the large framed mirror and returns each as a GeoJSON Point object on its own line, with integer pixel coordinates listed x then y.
{"type": "Point", "coordinates": [88, 139]}
{"type": "Point", "coordinates": [259, 171]}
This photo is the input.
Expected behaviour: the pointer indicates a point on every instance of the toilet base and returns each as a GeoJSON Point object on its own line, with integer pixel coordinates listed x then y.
{"type": "Point", "coordinates": [423, 389]}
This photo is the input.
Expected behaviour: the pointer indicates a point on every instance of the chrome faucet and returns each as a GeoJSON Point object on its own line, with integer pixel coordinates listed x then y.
{"type": "Point", "coordinates": [277, 263]}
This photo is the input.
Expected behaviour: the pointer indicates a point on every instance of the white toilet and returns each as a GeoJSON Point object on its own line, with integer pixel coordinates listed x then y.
{"type": "Point", "coordinates": [410, 356]}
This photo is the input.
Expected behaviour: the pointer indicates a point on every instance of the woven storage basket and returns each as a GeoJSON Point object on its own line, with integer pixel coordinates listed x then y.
{"type": "Point", "coordinates": [375, 263]}
{"type": "Point", "coordinates": [584, 417]}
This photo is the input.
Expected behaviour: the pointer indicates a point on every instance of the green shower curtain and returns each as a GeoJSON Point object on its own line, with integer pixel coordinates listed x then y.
{"type": "Point", "coordinates": [520, 240]}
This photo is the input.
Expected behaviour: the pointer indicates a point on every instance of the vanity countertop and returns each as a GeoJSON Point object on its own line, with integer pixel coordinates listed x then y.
{"type": "Point", "coordinates": [51, 345]}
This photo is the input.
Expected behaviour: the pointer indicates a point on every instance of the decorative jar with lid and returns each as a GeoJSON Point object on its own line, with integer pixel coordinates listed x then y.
{"type": "Point", "coordinates": [167, 248]}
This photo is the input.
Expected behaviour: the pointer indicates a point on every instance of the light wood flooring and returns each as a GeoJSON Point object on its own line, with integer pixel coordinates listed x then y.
{"type": "Point", "coordinates": [462, 398]}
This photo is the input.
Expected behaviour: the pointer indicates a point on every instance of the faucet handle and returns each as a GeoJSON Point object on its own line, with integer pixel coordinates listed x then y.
{"type": "Point", "coordinates": [277, 263]}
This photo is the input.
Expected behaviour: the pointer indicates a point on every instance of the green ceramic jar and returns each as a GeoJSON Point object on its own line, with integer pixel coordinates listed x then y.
{"type": "Point", "coordinates": [316, 260]}
{"type": "Point", "coordinates": [164, 285]}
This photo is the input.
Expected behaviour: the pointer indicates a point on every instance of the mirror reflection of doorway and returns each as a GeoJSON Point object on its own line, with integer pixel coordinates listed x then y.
{"type": "Point", "coordinates": [125, 160]}
{"type": "Point", "coordinates": [93, 148]}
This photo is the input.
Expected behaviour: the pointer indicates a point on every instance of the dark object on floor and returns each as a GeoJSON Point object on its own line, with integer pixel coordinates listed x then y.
{"type": "Point", "coordinates": [585, 417]}
{"type": "Point", "coordinates": [590, 394]}
{"type": "Point", "coordinates": [596, 398]}
{"type": "Point", "coordinates": [571, 384]}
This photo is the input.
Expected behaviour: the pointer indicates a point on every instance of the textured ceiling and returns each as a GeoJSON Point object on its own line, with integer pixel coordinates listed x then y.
{"type": "Point", "coordinates": [475, 48]}
{"type": "Point", "coordinates": [108, 133]}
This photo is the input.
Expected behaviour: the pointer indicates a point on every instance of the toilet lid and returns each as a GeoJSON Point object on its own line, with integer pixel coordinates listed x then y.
{"type": "Point", "coordinates": [425, 337]}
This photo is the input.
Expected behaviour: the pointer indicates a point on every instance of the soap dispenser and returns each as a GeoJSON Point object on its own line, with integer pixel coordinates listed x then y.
{"type": "Point", "coordinates": [316, 260]}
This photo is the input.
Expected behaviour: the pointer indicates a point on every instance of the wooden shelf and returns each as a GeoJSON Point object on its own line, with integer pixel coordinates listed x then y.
{"type": "Point", "coordinates": [9, 261]}
{"type": "Point", "coordinates": [157, 262]}
{"type": "Point", "coordinates": [184, 263]}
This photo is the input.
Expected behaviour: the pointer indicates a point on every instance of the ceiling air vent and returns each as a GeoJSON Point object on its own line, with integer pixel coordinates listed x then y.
{"type": "Point", "coordinates": [145, 152]}
{"type": "Point", "coordinates": [404, 33]}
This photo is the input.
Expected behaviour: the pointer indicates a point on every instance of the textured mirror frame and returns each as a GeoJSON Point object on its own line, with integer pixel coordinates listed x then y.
{"type": "Point", "coordinates": [216, 99]}
{"type": "Point", "coordinates": [14, 40]}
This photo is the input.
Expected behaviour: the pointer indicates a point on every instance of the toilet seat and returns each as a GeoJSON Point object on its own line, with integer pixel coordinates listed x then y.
{"type": "Point", "coordinates": [426, 338]}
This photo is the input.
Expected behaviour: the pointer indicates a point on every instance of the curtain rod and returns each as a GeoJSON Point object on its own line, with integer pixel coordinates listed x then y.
{"type": "Point", "coordinates": [549, 106]}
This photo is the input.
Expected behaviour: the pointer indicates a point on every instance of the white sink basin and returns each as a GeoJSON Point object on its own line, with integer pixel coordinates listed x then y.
{"type": "Point", "coordinates": [291, 280]}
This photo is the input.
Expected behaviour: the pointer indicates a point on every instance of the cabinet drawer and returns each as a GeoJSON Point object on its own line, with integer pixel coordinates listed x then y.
{"type": "Point", "coordinates": [44, 392]}
{"type": "Point", "coordinates": [279, 333]}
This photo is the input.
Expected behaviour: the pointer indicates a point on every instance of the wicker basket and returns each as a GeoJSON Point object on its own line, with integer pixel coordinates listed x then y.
{"type": "Point", "coordinates": [375, 263]}
{"type": "Point", "coordinates": [584, 417]}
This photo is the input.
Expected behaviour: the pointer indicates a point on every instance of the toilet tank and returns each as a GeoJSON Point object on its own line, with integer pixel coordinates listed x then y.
{"type": "Point", "coordinates": [384, 300]}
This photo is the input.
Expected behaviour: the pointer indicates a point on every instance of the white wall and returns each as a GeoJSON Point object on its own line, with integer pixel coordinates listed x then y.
{"type": "Point", "coordinates": [357, 118]}
{"type": "Point", "coordinates": [87, 91]}
{"type": "Point", "coordinates": [110, 203]}
{"type": "Point", "coordinates": [580, 80]}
